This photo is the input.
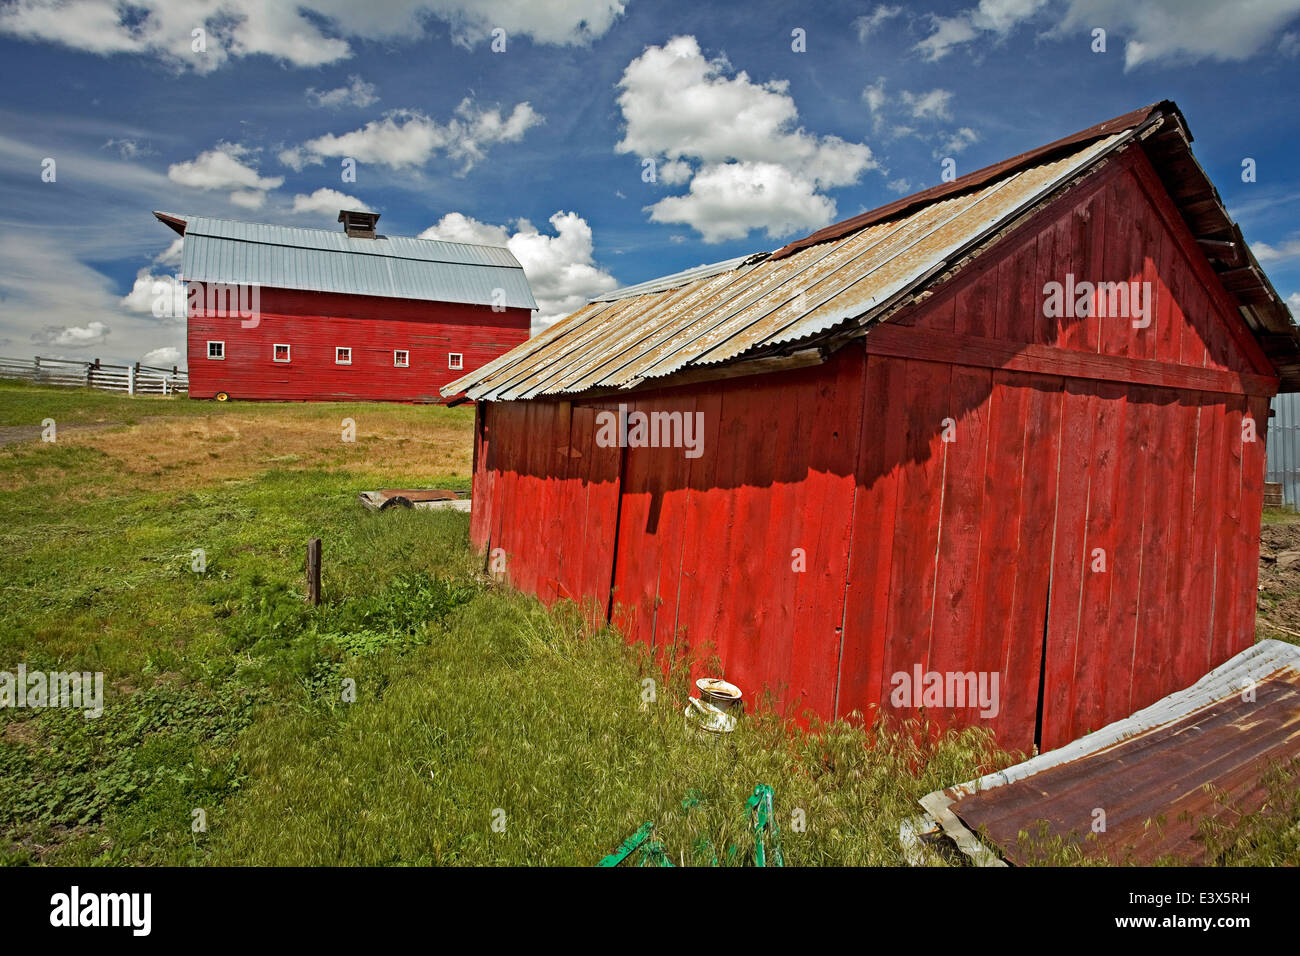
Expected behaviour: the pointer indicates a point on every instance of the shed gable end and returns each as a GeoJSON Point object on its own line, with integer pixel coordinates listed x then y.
{"type": "Point", "coordinates": [1109, 269]}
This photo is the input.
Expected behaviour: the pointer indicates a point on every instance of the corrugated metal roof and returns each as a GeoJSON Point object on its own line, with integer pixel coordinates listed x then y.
{"type": "Point", "coordinates": [725, 316]}
{"type": "Point", "coordinates": [1188, 758]}
{"type": "Point", "coordinates": [319, 260]}
{"type": "Point", "coordinates": [980, 177]}
{"type": "Point", "coordinates": [673, 281]}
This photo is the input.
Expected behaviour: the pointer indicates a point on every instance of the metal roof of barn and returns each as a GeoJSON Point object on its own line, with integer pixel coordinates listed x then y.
{"type": "Point", "coordinates": [814, 293]}
{"type": "Point", "coordinates": [722, 317]}
{"type": "Point", "coordinates": [320, 260]}
{"type": "Point", "coordinates": [676, 280]}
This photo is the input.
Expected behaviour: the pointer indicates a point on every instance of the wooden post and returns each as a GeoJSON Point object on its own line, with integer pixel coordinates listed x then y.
{"type": "Point", "coordinates": [313, 571]}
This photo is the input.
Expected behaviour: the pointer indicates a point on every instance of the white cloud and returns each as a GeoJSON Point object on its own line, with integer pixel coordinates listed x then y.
{"type": "Point", "coordinates": [162, 357]}
{"type": "Point", "coordinates": [457, 227]}
{"type": "Point", "coordinates": [402, 138]}
{"type": "Point", "coordinates": [728, 200]}
{"type": "Point", "coordinates": [561, 269]}
{"type": "Point", "coordinates": [1185, 30]}
{"type": "Point", "coordinates": [953, 143]}
{"type": "Point", "coordinates": [1293, 301]}
{"type": "Point", "coordinates": [328, 202]}
{"type": "Point", "coordinates": [926, 109]}
{"type": "Point", "coordinates": [357, 93]}
{"type": "Point", "coordinates": [72, 336]}
{"type": "Point", "coordinates": [949, 32]}
{"type": "Point", "coordinates": [866, 25]}
{"type": "Point", "coordinates": [557, 22]}
{"type": "Point", "coordinates": [674, 172]}
{"type": "Point", "coordinates": [161, 296]}
{"type": "Point", "coordinates": [1288, 249]}
{"type": "Point", "coordinates": [1002, 16]}
{"type": "Point", "coordinates": [163, 29]}
{"type": "Point", "coordinates": [680, 106]}
{"type": "Point", "coordinates": [931, 105]}
{"type": "Point", "coordinates": [297, 158]}
{"type": "Point", "coordinates": [248, 198]}
{"type": "Point", "coordinates": [677, 103]}
{"type": "Point", "coordinates": [874, 97]}
{"type": "Point", "coordinates": [221, 168]}
{"type": "Point", "coordinates": [306, 33]}
{"type": "Point", "coordinates": [407, 138]}
{"type": "Point", "coordinates": [171, 256]}
{"type": "Point", "coordinates": [998, 17]}
{"type": "Point", "coordinates": [1151, 30]}
{"type": "Point", "coordinates": [128, 148]}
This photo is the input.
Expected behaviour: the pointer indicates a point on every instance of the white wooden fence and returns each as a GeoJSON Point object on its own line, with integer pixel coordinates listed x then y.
{"type": "Point", "coordinates": [134, 379]}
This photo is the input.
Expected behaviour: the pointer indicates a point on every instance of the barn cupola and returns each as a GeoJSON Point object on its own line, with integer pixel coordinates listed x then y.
{"type": "Point", "coordinates": [358, 225]}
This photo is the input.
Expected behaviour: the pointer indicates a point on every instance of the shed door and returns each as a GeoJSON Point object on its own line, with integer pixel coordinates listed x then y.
{"type": "Point", "coordinates": [1153, 569]}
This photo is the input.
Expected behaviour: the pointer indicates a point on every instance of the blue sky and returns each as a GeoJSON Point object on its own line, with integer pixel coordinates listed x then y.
{"type": "Point", "coordinates": [543, 145]}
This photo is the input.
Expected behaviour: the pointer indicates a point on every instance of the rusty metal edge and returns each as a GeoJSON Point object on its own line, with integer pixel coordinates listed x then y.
{"type": "Point", "coordinates": [936, 806]}
{"type": "Point", "coordinates": [1254, 664]}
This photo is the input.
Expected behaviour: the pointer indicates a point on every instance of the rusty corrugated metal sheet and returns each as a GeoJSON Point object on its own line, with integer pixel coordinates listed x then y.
{"type": "Point", "coordinates": [980, 177]}
{"type": "Point", "coordinates": [1160, 776]}
{"type": "Point", "coordinates": [674, 280]}
{"type": "Point", "coordinates": [725, 316]}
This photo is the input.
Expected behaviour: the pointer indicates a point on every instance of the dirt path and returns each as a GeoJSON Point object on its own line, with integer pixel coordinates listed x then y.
{"type": "Point", "coordinates": [16, 433]}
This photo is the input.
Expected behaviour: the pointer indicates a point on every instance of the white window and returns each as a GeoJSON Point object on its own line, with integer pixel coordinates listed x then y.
{"type": "Point", "coordinates": [342, 356]}
{"type": "Point", "coordinates": [401, 358]}
{"type": "Point", "coordinates": [455, 361]}
{"type": "Point", "coordinates": [281, 353]}
{"type": "Point", "coordinates": [216, 350]}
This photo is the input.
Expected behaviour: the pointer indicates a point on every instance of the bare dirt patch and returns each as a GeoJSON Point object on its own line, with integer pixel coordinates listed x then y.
{"type": "Point", "coordinates": [16, 433]}
{"type": "Point", "coordinates": [1279, 582]}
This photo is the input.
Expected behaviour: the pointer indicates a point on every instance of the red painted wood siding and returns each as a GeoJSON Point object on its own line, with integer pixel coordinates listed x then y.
{"type": "Point", "coordinates": [975, 554]}
{"type": "Point", "coordinates": [313, 324]}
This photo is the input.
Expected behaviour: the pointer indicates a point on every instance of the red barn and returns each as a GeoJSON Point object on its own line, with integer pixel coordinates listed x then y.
{"type": "Point", "coordinates": [992, 453]}
{"type": "Point", "coordinates": [284, 313]}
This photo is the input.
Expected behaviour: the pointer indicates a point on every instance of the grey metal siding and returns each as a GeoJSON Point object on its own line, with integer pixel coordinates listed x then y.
{"type": "Point", "coordinates": [1284, 446]}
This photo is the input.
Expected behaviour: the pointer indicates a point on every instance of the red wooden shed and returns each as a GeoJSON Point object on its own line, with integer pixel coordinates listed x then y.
{"type": "Point", "coordinates": [284, 313]}
{"type": "Point", "coordinates": [993, 452]}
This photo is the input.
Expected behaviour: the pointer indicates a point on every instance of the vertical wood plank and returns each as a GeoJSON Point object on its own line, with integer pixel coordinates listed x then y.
{"type": "Point", "coordinates": [1070, 564]}
{"type": "Point", "coordinates": [920, 497]}
{"type": "Point", "coordinates": [1023, 663]}
{"type": "Point", "coordinates": [862, 686]}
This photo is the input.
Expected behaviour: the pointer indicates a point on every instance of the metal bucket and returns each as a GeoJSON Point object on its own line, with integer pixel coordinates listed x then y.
{"type": "Point", "coordinates": [705, 720]}
{"type": "Point", "coordinates": [721, 694]}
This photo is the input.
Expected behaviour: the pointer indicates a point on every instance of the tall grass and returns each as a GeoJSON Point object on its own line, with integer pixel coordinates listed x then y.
{"type": "Point", "coordinates": [512, 715]}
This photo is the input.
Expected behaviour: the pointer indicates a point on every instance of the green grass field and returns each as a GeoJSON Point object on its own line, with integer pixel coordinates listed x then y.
{"type": "Point", "coordinates": [473, 706]}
